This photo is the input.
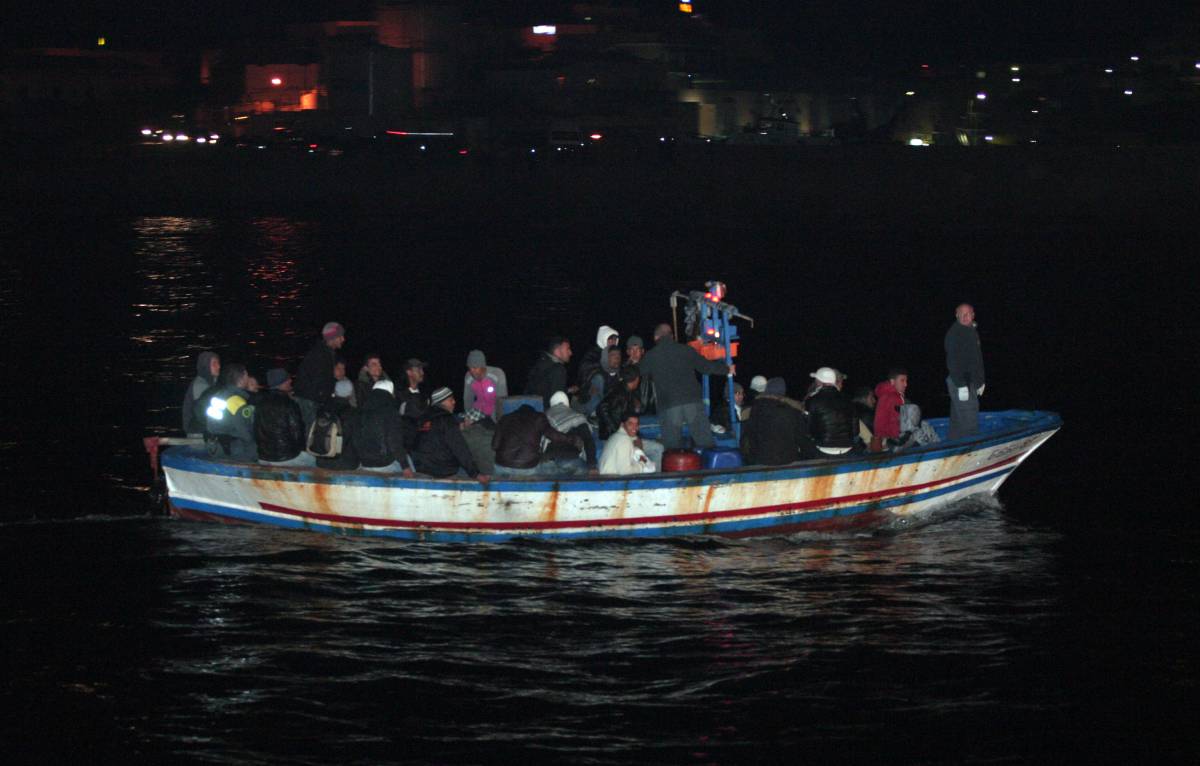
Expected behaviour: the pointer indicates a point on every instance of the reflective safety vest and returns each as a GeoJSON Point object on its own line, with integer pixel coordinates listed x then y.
{"type": "Point", "coordinates": [230, 421]}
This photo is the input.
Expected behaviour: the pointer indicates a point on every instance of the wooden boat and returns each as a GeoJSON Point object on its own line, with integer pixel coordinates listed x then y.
{"type": "Point", "coordinates": [821, 495]}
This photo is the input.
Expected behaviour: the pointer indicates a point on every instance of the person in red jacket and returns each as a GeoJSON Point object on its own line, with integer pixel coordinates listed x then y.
{"type": "Point", "coordinates": [890, 395]}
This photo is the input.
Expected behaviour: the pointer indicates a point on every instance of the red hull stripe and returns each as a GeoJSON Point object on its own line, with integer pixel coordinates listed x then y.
{"type": "Point", "coordinates": [866, 497]}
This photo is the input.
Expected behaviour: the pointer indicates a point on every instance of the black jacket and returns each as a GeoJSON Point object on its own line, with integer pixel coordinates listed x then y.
{"type": "Point", "coordinates": [278, 427]}
{"type": "Point", "coordinates": [350, 419]}
{"type": "Point", "coordinates": [380, 437]}
{"type": "Point", "coordinates": [617, 402]}
{"type": "Point", "coordinates": [518, 439]}
{"type": "Point", "coordinates": [545, 377]}
{"type": "Point", "coordinates": [441, 449]}
{"type": "Point", "coordinates": [776, 433]}
{"type": "Point", "coordinates": [589, 365]}
{"type": "Point", "coordinates": [832, 421]}
{"type": "Point", "coordinates": [964, 357]}
{"type": "Point", "coordinates": [314, 379]}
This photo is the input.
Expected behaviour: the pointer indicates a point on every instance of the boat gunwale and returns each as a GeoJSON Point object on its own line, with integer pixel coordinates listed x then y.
{"type": "Point", "coordinates": [1024, 423]}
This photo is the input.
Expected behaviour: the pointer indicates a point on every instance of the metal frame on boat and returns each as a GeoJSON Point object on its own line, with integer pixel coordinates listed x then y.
{"type": "Point", "coordinates": [820, 495]}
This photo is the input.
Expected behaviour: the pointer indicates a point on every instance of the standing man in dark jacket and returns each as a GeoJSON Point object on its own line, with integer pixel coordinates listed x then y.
{"type": "Point", "coordinates": [777, 431]}
{"type": "Point", "coordinates": [518, 441]}
{"type": "Point", "coordinates": [315, 379]}
{"type": "Point", "coordinates": [965, 381]}
{"type": "Point", "coordinates": [832, 421]}
{"type": "Point", "coordinates": [549, 372]}
{"type": "Point", "coordinates": [380, 437]}
{"type": "Point", "coordinates": [673, 367]}
{"type": "Point", "coordinates": [278, 425]}
{"type": "Point", "coordinates": [441, 449]}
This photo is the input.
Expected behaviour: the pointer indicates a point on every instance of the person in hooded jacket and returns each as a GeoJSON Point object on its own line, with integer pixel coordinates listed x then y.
{"type": "Point", "coordinates": [595, 357]}
{"type": "Point", "coordinates": [889, 395]}
{"type": "Point", "coordinates": [777, 431]}
{"type": "Point", "coordinates": [208, 368]}
{"type": "Point", "coordinates": [441, 449]}
{"type": "Point", "coordinates": [380, 438]}
{"type": "Point", "coordinates": [279, 429]}
{"type": "Point", "coordinates": [562, 459]}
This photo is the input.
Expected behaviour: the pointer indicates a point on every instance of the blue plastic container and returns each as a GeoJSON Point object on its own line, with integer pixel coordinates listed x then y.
{"type": "Point", "coordinates": [720, 457]}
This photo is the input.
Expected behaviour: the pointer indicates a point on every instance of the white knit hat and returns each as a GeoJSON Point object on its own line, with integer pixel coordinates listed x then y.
{"type": "Point", "coordinates": [758, 383]}
{"type": "Point", "coordinates": [386, 385]}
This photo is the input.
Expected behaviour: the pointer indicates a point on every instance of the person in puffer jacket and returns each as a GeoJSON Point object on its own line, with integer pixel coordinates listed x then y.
{"type": "Point", "coordinates": [380, 438]}
{"type": "Point", "coordinates": [279, 431]}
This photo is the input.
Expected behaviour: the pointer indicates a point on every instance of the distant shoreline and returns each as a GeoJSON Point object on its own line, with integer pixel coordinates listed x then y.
{"type": "Point", "coordinates": [868, 185]}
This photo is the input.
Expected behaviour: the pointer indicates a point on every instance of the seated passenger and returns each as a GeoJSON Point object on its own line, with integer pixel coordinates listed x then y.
{"type": "Point", "coordinates": [518, 441]}
{"type": "Point", "coordinates": [229, 416]}
{"type": "Point", "coordinates": [621, 399]}
{"type": "Point", "coordinates": [441, 449]}
{"type": "Point", "coordinates": [720, 410]}
{"type": "Point", "coordinates": [623, 454]}
{"type": "Point", "coordinates": [549, 372]}
{"type": "Point", "coordinates": [208, 367]}
{"type": "Point", "coordinates": [341, 407]}
{"type": "Point", "coordinates": [478, 430]}
{"type": "Point", "coordinates": [596, 357]}
{"type": "Point", "coordinates": [369, 374]}
{"type": "Point", "coordinates": [278, 424]}
{"type": "Point", "coordinates": [380, 437]}
{"type": "Point", "coordinates": [889, 396]}
{"type": "Point", "coordinates": [777, 431]}
{"type": "Point", "coordinates": [831, 418]}
{"type": "Point", "coordinates": [483, 385]}
{"type": "Point", "coordinates": [603, 380]}
{"type": "Point", "coordinates": [563, 460]}
{"type": "Point", "coordinates": [864, 410]}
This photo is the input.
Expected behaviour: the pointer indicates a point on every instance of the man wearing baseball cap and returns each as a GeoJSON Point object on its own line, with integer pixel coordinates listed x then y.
{"type": "Point", "coordinates": [315, 379]}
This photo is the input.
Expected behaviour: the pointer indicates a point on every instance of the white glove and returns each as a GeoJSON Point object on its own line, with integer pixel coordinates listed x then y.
{"type": "Point", "coordinates": [980, 391]}
{"type": "Point", "coordinates": [964, 393]}
{"type": "Point", "coordinates": [716, 429]}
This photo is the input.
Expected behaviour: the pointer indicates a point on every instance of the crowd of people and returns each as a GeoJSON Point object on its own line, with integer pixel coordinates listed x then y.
{"type": "Point", "coordinates": [588, 424]}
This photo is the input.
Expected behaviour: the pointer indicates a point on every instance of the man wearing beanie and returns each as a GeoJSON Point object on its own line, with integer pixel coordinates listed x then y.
{"type": "Point", "coordinates": [483, 385]}
{"type": "Point", "coordinates": [315, 379]}
{"type": "Point", "coordinates": [278, 425]}
{"type": "Point", "coordinates": [441, 450]}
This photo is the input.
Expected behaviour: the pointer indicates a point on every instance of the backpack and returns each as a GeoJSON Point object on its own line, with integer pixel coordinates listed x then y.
{"type": "Point", "coordinates": [325, 435]}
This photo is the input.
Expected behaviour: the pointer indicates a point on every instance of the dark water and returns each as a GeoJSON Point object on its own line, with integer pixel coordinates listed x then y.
{"type": "Point", "coordinates": [1056, 625]}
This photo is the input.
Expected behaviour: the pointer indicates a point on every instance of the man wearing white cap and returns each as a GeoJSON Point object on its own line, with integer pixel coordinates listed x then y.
{"type": "Point", "coordinates": [831, 418]}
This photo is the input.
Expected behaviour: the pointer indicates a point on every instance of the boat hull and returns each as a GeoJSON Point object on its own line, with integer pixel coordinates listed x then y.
{"type": "Point", "coordinates": [819, 496]}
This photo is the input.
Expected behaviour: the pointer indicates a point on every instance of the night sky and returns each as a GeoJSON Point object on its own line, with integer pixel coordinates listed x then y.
{"type": "Point", "coordinates": [853, 32]}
